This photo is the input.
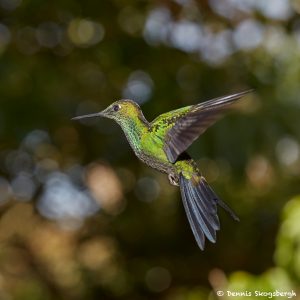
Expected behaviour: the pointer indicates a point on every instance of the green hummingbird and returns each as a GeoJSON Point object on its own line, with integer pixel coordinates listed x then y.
{"type": "Point", "coordinates": [162, 145]}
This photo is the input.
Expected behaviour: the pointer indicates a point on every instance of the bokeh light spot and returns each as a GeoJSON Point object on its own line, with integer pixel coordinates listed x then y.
{"type": "Point", "coordinates": [158, 279]}
{"type": "Point", "coordinates": [85, 33]}
{"type": "Point", "coordinates": [260, 172]}
{"type": "Point", "coordinates": [186, 36]}
{"type": "Point", "coordinates": [248, 34]}
{"type": "Point", "coordinates": [275, 9]}
{"type": "Point", "coordinates": [97, 253]}
{"type": "Point", "coordinates": [49, 34]}
{"type": "Point", "coordinates": [157, 26]}
{"type": "Point", "coordinates": [61, 200]}
{"type": "Point", "coordinates": [105, 187]}
{"type": "Point", "coordinates": [147, 189]}
{"type": "Point", "coordinates": [131, 20]}
{"type": "Point", "coordinates": [139, 87]}
{"type": "Point", "coordinates": [288, 151]}
{"type": "Point", "coordinates": [23, 187]}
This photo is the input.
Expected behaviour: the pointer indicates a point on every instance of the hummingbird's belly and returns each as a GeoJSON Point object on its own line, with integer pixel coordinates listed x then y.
{"type": "Point", "coordinates": [153, 155]}
{"type": "Point", "coordinates": [187, 167]}
{"type": "Point", "coordinates": [156, 163]}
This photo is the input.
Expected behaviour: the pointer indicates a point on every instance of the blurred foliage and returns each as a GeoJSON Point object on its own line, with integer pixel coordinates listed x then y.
{"type": "Point", "coordinates": [81, 218]}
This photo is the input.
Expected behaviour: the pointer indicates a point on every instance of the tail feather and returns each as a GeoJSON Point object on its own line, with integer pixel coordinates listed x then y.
{"type": "Point", "coordinates": [209, 206]}
{"type": "Point", "coordinates": [229, 210]}
{"type": "Point", "coordinates": [200, 203]}
{"type": "Point", "coordinates": [199, 222]}
{"type": "Point", "coordinates": [192, 217]}
{"type": "Point", "coordinates": [218, 200]}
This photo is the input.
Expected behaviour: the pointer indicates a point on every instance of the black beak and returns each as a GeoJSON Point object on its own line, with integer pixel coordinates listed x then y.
{"type": "Point", "coordinates": [99, 114]}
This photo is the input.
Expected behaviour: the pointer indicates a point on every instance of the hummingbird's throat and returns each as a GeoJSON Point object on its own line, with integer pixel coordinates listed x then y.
{"type": "Point", "coordinates": [133, 129]}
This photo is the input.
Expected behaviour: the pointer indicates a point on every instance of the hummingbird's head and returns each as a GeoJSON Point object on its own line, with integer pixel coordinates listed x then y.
{"type": "Point", "coordinates": [118, 111]}
{"type": "Point", "coordinates": [122, 109]}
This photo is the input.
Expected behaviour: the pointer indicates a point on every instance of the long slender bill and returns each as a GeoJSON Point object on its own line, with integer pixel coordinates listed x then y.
{"type": "Point", "coordinates": [99, 114]}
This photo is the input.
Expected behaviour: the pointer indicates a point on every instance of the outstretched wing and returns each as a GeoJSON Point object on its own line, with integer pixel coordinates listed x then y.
{"type": "Point", "coordinates": [190, 125]}
{"type": "Point", "coordinates": [164, 122]}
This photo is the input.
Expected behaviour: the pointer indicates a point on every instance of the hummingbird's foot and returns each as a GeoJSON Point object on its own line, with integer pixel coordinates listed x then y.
{"type": "Point", "coordinates": [173, 179]}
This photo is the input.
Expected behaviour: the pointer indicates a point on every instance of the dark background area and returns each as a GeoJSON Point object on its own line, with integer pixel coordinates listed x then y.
{"type": "Point", "coordinates": [81, 217]}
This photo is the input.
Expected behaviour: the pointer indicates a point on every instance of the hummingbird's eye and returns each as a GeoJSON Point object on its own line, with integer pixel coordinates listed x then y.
{"type": "Point", "coordinates": [117, 107]}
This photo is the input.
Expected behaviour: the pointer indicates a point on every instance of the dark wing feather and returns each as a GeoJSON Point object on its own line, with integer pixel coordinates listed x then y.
{"type": "Point", "coordinates": [192, 124]}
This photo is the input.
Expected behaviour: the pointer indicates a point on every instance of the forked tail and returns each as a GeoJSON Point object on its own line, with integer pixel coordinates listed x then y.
{"type": "Point", "coordinates": [200, 203]}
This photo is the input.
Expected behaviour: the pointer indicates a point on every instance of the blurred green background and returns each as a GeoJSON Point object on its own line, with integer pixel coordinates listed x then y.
{"type": "Point", "coordinates": [81, 217]}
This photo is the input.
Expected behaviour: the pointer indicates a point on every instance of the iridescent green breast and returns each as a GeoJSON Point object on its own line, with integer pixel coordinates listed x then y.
{"type": "Point", "coordinates": [134, 131]}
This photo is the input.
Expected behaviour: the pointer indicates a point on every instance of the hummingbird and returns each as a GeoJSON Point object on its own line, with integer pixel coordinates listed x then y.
{"type": "Point", "coordinates": [162, 144]}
